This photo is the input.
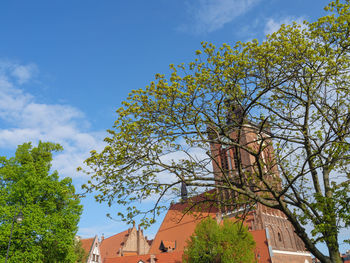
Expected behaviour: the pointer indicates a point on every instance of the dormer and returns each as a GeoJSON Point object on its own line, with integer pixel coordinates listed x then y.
{"type": "Point", "coordinates": [167, 246]}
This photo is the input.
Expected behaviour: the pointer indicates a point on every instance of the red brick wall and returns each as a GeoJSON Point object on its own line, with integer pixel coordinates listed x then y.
{"type": "Point", "coordinates": [281, 258]}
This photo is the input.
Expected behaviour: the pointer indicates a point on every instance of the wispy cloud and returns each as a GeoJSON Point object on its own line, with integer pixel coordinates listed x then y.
{"type": "Point", "coordinates": [18, 72]}
{"type": "Point", "coordinates": [24, 73]}
{"type": "Point", "coordinates": [272, 24]}
{"type": "Point", "coordinates": [106, 230]}
{"type": "Point", "coordinates": [210, 15]}
{"type": "Point", "coordinates": [26, 119]}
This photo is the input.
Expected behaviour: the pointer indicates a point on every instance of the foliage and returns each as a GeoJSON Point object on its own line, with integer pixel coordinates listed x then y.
{"type": "Point", "coordinates": [291, 90]}
{"type": "Point", "coordinates": [51, 210]}
{"type": "Point", "coordinates": [227, 243]}
{"type": "Point", "coordinates": [82, 256]}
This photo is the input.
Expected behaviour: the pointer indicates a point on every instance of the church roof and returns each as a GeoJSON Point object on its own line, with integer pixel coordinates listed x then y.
{"type": "Point", "coordinates": [178, 226]}
{"type": "Point", "coordinates": [166, 245]}
{"type": "Point", "coordinates": [262, 247]}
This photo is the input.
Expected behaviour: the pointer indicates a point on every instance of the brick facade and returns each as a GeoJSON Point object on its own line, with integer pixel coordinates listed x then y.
{"type": "Point", "coordinates": [284, 244]}
{"type": "Point", "coordinates": [275, 237]}
{"type": "Point", "coordinates": [128, 243]}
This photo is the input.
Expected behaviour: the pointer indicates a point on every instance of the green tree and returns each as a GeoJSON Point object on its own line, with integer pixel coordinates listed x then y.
{"type": "Point", "coordinates": [292, 90]}
{"type": "Point", "coordinates": [50, 208]}
{"type": "Point", "coordinates": [227, 243]}
{"type": "Point", "coordinates": [80, 252]}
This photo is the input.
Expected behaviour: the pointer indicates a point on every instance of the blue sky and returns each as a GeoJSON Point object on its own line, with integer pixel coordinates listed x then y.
{"type": "Point", "coordinates": [65, 66]}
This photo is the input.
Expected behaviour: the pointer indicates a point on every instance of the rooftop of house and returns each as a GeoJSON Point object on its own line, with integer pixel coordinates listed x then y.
{"type": "Point", "coordinates": [261, 251]}
{"type": "Point", "coordinates": [176, 228]}
{"type": "Point", "coordinates": [87, 243]}
{"type": "Point", "coordinates": [170, 257]}
{"type": "Point", "coordinates": [110, 246]}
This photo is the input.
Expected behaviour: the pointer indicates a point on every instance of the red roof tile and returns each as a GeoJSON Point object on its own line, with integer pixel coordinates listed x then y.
{"type": "Point", "coordinates": [262, 248]}
{"type": "Point", "coordinates": [110, 246]}
{"type": "Point", "coordinates": [169, 245]}
{"type": "Point", "coordinates": [170, 257]}
{"type": "Point", "coordinates": [87, 244]}
{"type": "Point", "coordinates": [178, 227]}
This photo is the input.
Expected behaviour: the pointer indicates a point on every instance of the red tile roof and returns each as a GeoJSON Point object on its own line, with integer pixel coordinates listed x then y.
{"type": "Point", "coordinates": [169, 257]}
{"type": "Point", "coordinates": [87, 244]}
{"type": "Point", "coordinates": [178, 227]}
{"type": "Point", "coordinates": [168, 245]}
{"type": "Point", "coordinates": [262, 248]}
{"type": "Point", "coordinates": [346, 258]}
{"type": "Point", "coordinates": [174, 231]}
{"type": "Point", "coordinates": [110, 246]}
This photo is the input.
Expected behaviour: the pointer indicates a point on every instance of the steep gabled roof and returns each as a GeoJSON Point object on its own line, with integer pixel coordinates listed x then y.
{"type": "Point", "coordinates": [170, 257]}
{"type": "Point", "coordinates": [110, 246]}
{"type": "Point", "coordinates": [178, 226]}
{"type": "Point", "coordinates": [262, 248]}
{"type": "Point", "coordinates": [87, 243]}
{"type": "Point", "coordinates": [166, 245]}
{"type": "Point", "coordinates": [128, 259]}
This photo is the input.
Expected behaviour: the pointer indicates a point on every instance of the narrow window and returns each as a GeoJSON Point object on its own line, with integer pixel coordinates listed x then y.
{"type": "Point", "coordinates": [224, 160]}
{"type": "Point", "coordinates": [279, 237]}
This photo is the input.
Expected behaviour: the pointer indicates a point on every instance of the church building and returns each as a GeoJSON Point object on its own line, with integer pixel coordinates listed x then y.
{"type": "Point", "coordinates": [276, 240]}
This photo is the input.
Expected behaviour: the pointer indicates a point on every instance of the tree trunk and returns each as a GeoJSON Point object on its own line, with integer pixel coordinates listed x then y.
{"type": "Point", "coordinates": [335, 256]}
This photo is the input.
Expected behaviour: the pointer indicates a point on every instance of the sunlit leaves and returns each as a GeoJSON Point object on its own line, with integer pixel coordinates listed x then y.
{"type": "Point", "coordinates": [227, 243]}
{"type": "Point", "coordinates": [50, 207]}
{"type": "Point", "coordinates": [291, 89]}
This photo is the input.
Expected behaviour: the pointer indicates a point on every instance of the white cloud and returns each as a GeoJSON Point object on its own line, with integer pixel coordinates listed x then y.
{"type": "Point", "coordinates": [26, 119]}
{"type": "Point", "coordinates": [211, 15]}
{"type": "Point", "coordinates": [272, 25]}
{"type": "Point", "coordinates": [107, 230]}
{"type": "Point", "coordinates": [23, 73]}
{"type": "Point", "coordinates": [19, 73]}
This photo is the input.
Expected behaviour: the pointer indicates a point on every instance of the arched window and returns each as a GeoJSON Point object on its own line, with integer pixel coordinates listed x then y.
{"type": "Point", "coordinates": [291, 238]}
{"type": "Point", "coordinates": [272, 235]}
{"type": "Point", "coordinates": [279, 237]}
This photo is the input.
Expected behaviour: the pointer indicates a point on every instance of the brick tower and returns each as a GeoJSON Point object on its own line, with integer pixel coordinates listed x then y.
{"type": "Point", "coordinates": [241, 165]}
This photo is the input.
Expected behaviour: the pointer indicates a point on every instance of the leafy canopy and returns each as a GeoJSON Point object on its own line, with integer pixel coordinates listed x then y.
{"type": "Point", "coordinates": [227, 243]}
{"type": "Point", "coordinates": [291, 90]}
{"type": "Point", "coordinates": [50, 208]}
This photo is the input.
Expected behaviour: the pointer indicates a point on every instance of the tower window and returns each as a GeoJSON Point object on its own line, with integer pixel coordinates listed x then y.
{"type": "Point", "coordinates": [224, 160]}
{"type": "Point", "coordinates": [227, 161]}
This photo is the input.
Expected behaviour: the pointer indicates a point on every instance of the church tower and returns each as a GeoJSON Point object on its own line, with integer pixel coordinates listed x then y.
{"type": "Point", "coordinates": [241, 154]}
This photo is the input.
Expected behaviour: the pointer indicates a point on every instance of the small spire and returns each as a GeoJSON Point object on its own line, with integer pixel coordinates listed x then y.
{"type": "Point", "coordinates": [235, 113]}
